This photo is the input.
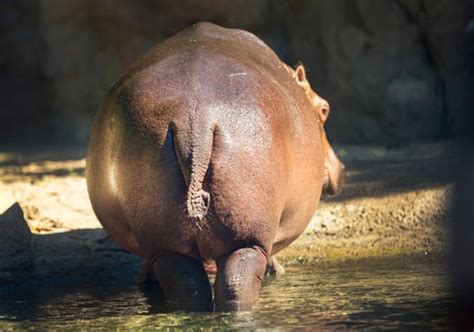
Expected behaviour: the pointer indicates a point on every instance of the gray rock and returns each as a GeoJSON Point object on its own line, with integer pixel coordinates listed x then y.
{"type": "Point", "coordinates": [409, 102]}
{"type": "Point", "coordinates": [450, 47]}
{"type": "Point", "coordinates": [358, 56]}
{"type": "Point", "coordinates": [16, 257]}
{"type": "Point", "coordinates": [353, 40]}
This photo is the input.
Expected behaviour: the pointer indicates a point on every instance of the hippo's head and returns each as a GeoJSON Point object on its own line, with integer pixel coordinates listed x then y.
{"type": "Point", "coordinates": [334, 169]}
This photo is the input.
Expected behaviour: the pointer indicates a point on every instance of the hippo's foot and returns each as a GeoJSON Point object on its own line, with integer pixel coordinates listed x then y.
{"type": "Point", "coordinates": [239, 278]}
{"type": "Point", "coordinates": [274, 268]}
{"type": "Point", "coordinates": [209, 266]}
{"type": "Point", "coordinates": [183, 281]}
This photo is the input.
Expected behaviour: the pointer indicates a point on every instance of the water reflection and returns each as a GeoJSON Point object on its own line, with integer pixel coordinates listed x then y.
{"type": "Point", "coordinates": [365, 295]}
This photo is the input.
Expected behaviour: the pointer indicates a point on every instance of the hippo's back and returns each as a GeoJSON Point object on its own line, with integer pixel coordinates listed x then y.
{"type": "Point", "coordinates": [201, 147]}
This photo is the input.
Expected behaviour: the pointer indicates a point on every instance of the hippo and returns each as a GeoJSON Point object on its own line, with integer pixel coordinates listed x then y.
{"type": "Point", "coordinates": [210, 149]}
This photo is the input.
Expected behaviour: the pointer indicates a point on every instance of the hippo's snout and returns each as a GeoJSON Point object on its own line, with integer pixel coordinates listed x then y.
{"type": "Point", "coordinates": [336, 182]}
{"type": "Point", "coordinates": [335, 175]}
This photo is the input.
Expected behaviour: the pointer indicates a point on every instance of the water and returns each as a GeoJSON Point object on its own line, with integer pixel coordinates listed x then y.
{"type": "Point", "coordinates": [365, 295]}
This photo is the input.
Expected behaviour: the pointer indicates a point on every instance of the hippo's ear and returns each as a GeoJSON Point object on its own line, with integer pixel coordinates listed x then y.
{"type": "Point", "coordinates": [300, 75]}
{"type": "Point", "coordinates": [324, 110]}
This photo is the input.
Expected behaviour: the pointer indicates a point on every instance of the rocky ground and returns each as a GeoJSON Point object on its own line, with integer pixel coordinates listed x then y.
{"type": "Point", "coordinates": [395, 202]}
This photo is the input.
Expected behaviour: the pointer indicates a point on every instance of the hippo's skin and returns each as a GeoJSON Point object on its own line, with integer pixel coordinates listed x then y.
{"type": "Point", "coordinates": [209, 148]}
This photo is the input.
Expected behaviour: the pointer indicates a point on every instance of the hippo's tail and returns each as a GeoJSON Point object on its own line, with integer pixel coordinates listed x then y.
{"type": "Point", "coordinates": [198, 157]}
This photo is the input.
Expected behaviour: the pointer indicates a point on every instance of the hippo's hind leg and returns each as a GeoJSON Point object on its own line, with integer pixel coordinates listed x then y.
{"type": "Point", "coordinates": [183, 281]}
{"type": "Point", "coordinates": [146, 276]}
{"type": "Point", "coordinates": [274, 268]}
{"type": "Point", "coordinates": [239, 278]}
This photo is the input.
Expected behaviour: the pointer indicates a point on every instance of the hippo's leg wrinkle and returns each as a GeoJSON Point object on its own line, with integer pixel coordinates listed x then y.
{"type": "Point", "coordinates": [183, 281]}
{"type": "Point", "coordinates": [239, 278]}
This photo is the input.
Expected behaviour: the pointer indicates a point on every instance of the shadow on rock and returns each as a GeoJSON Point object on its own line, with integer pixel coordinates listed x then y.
{"type": "Point", "coordinates": [76, 257]}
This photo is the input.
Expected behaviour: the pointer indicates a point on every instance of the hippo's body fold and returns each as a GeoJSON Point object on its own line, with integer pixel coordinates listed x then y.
{"type": "Point", "coordinates": [206, 147]}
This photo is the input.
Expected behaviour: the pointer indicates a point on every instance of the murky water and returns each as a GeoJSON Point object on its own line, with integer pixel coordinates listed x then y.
{"type": "Point", "coordinates": [383, 294]}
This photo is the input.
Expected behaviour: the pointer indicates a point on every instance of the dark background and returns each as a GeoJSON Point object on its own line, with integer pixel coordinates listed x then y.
{"type": "Point", "coordinates": [393, 70]}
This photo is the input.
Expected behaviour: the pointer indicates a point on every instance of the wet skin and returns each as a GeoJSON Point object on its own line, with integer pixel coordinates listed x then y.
{"type": "Point", "coordinates": [208, 149]}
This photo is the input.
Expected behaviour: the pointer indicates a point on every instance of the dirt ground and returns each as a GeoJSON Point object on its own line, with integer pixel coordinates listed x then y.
{"type": "Point", "coordinates": [395, 202]}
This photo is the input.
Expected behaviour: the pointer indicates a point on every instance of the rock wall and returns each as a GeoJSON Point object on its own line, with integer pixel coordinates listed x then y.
{"type": "Point", "coordinates": [393, 70]}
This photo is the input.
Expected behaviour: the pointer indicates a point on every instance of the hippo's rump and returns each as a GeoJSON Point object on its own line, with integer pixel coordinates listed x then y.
{"type": "Point", "coordinates": [205, 82]}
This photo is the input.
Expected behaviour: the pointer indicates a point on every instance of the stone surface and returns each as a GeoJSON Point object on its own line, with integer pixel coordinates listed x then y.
{"type": "Point", "coordinates": [25, 110]}
{"type": "Point", "coordinates": [394, 70]}
{"type": "Point", "coordinates": [16, 257]}
{"type": "Point", "coordinates": [369, 60]}
{"type": "Point", "coordinates": [450, 46]}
